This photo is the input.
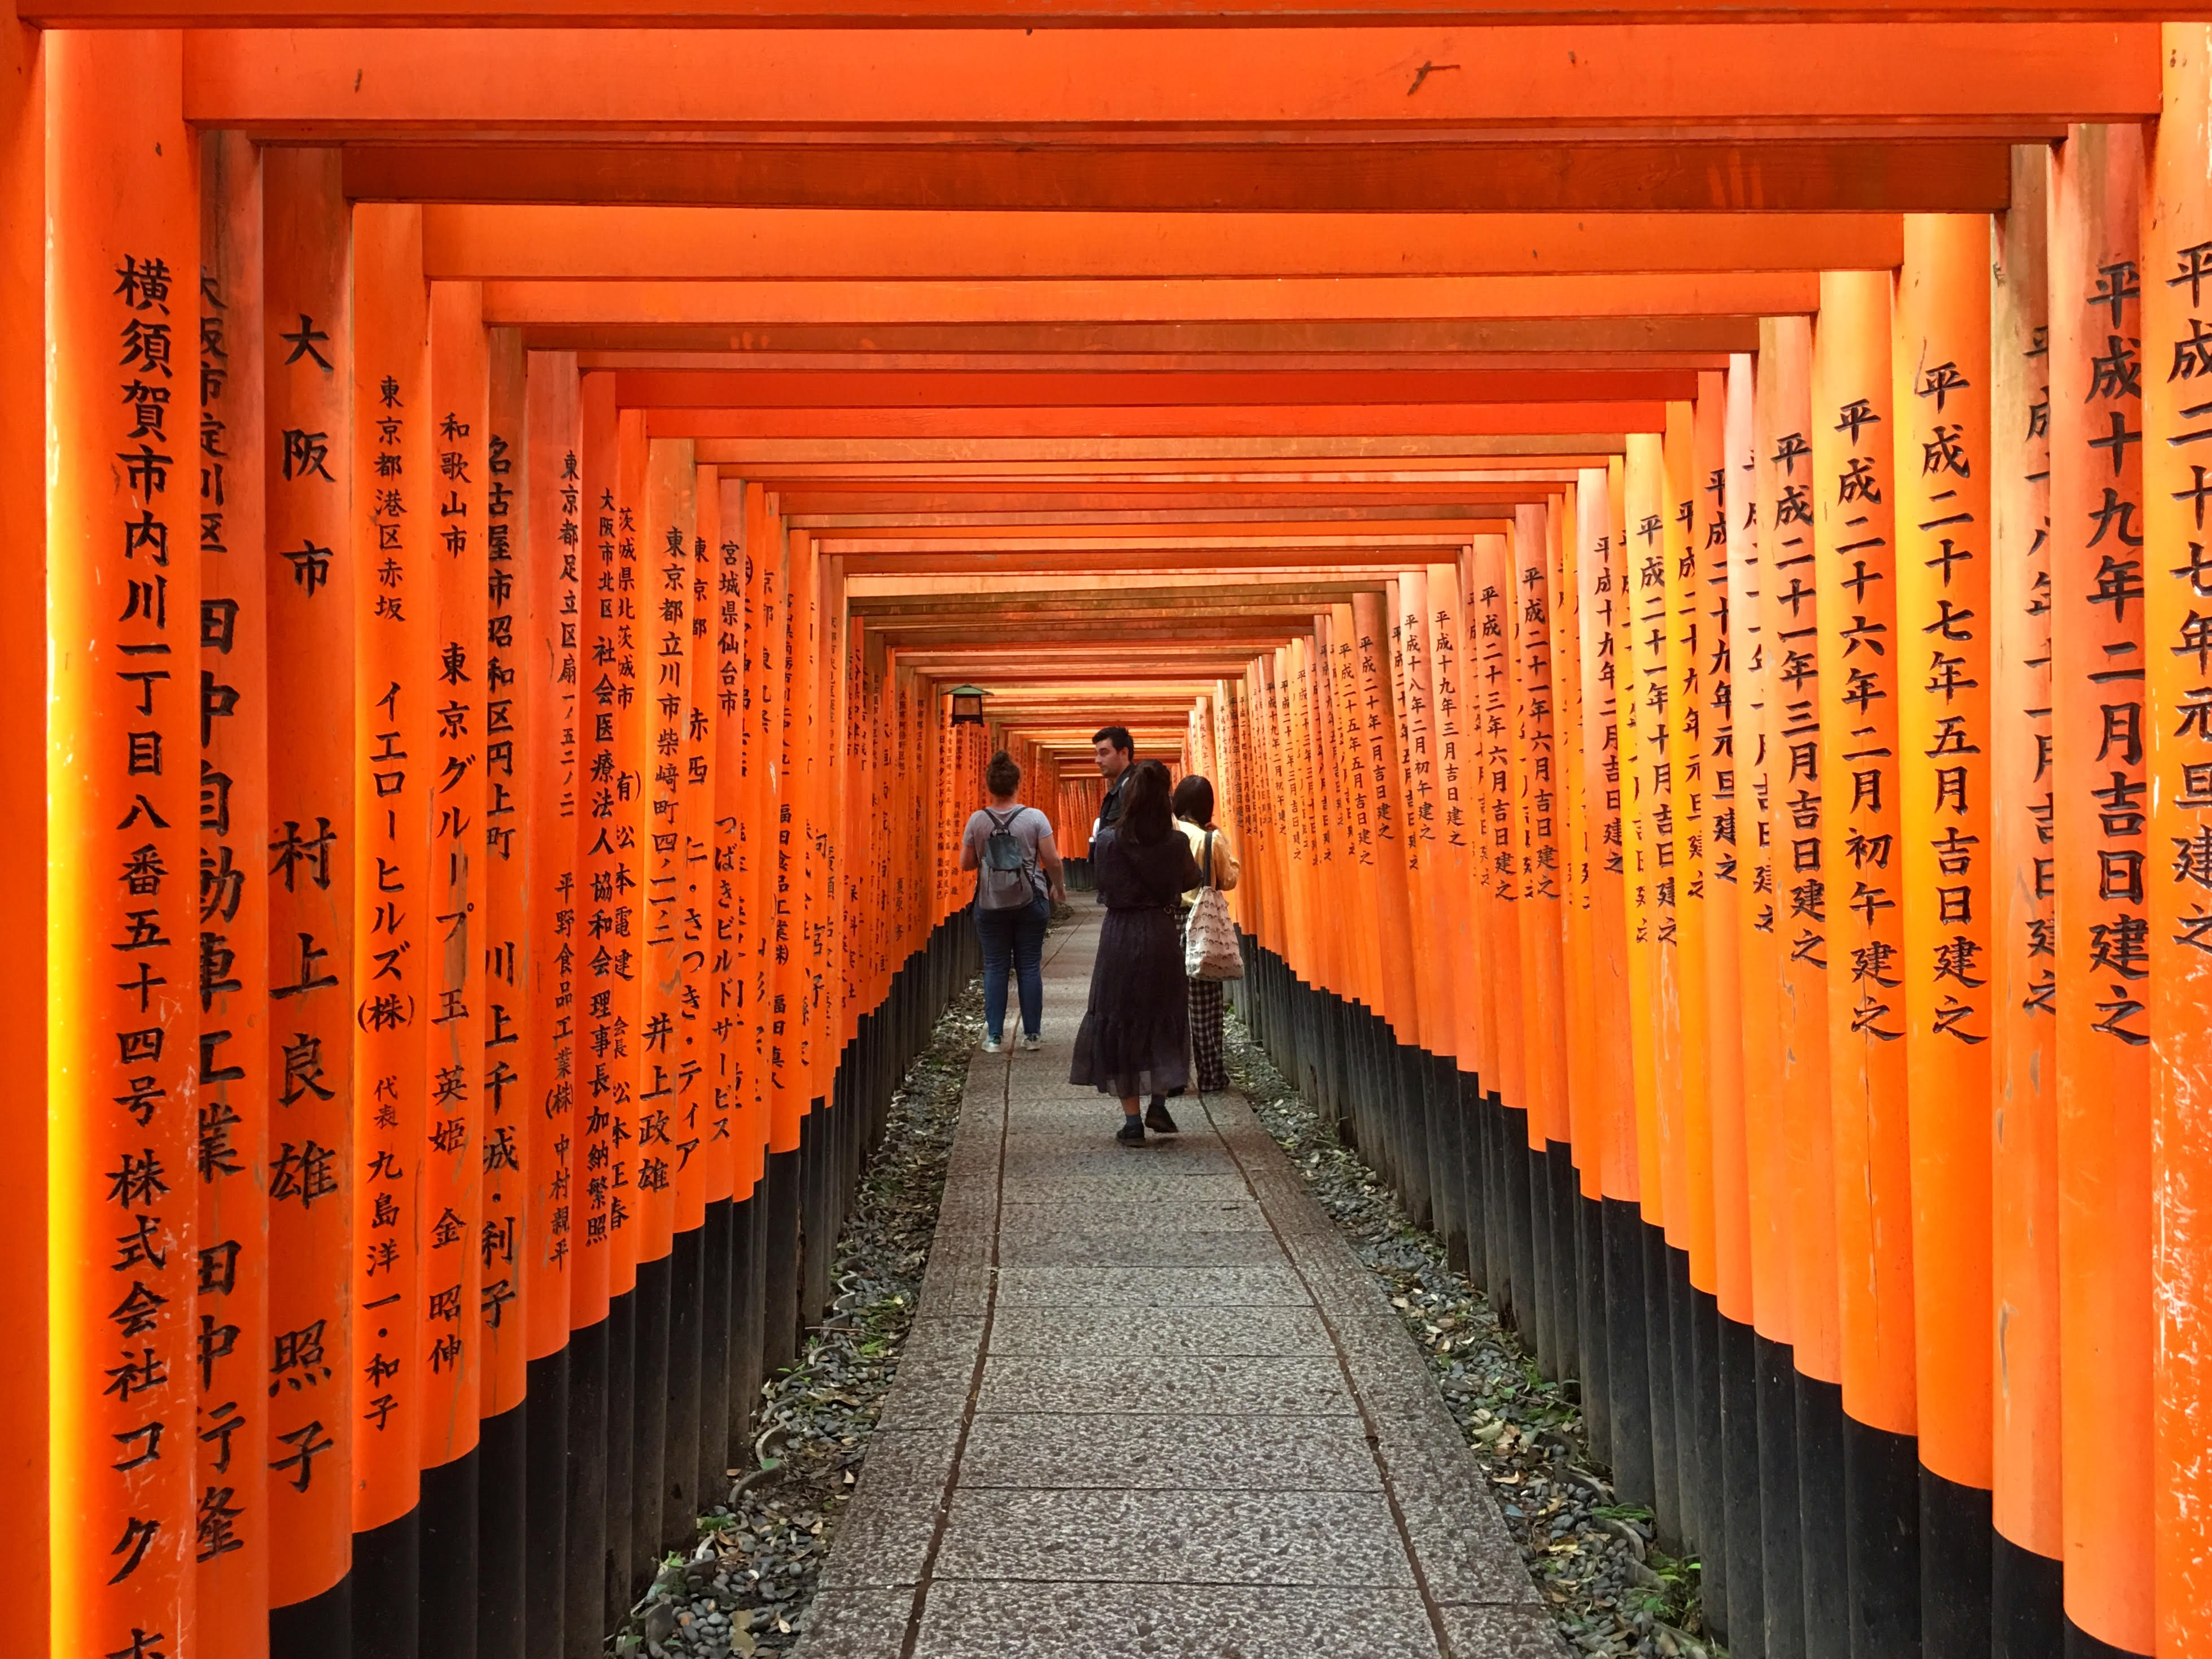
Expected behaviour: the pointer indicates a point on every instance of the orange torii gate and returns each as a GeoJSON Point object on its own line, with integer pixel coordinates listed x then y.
{"type": "Point", "coordinates": [1706, 682]}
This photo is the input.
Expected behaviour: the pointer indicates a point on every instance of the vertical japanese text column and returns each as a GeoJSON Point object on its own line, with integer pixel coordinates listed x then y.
{"type": "Point", "coordinates": [231, 1538]}
{"type": "Point", "coordinates": [2100, 805]}
{"type": "Point", "coordinates": [394, 517]}
{"type": "Point", "coordinates": [122, 748]}
{"type": "Point", "coordinates": [311, 597]}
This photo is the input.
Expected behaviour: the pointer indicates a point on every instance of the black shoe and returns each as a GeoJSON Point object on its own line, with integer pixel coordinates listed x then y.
{"type": "Point", "coordinates": [1158, 1121]}
{"type": "Point", "coordinates": [1132, 1133]}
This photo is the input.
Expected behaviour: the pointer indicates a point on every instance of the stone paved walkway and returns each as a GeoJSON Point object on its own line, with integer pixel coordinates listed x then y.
{"type": "Point", "coordinates": [1152, 1405]}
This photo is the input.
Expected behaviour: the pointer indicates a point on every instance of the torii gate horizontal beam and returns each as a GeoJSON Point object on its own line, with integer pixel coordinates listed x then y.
{"type": "Point", "coordinates": [807, 507]}
{"type": "Point", "coordinates": [1473, 175]}
{"type": "Point", "coordinates": [601, 244]}
{"type": "Point", "coordinates": [1101, 389]}
{"type": "Point", "coordinates": [737, 306]}
{"type": "Point", "coordinates": [524, 13]}
{"type": "Point", "coordinates": [1297, 339]}
{"type": "Point", "coordinates": [1171, 459]}
{"type": "Point", "coordinates": [1789, 73]}
{"type": "Point", "coordinates": [1224, 420]}
{"type": "Point", "coordinates": [1169, 512]}
{"type": "Point", "coordinates": [1102, 560]}
{"type": "Point", "coordinates": [1171, 536]}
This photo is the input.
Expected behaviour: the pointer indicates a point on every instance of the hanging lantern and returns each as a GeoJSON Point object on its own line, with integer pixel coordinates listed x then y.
{"type": "Point", "coordinates": [968, 705]}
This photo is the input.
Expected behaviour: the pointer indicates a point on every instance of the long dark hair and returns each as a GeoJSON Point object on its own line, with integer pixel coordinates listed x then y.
{"type": "Point", "coordinates": [1144, 820]}
{"type": "Point", "coordinates": [1194, 800]}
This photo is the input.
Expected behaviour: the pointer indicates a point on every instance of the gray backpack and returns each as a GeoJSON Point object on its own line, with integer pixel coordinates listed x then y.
{"type": "Point", "coordinates": [1004, 880]}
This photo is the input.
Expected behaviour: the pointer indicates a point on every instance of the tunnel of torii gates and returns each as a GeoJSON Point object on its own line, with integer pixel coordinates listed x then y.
{"type": "Point", "coordinates": [1675, 529]}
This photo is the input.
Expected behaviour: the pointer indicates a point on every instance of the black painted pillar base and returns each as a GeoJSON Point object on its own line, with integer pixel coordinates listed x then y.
{"type": "Point", "coordinates": [1746, 1609]}
{"type": "Point", "coordinates": [749, 1268]}
{"type": "Point", "coordinates": [503, 1523]}
{"type": "Point", "coordinates": [1708, 1467]}
{"type": "Point", "coordinates": [1956, 1541]}
{"type": "Point", "coordinates": [1447, 1158]}
{"type": "Point", "coordinates": [718, 1296]}
{"type": "Point", "coordinates": [1539, 1330]}
{"type": "Point", "coordinates": [1596, 1342]}
{"type": "Point", "coordinates": [1881, 1499]}
{"type": "Point", "coordinates": [1527, 1295]}
{"type": "Point", "coordinates": [1419, 1187]}
{"type": "Point", "coordinates": [1782, 1561]}
{"type": "Point", "coordinates": [1659, 1349]}
{"type": "Point", "coordinates": [545, 1506]}
{"type": "Point", "coordinates": [584, 1545]}
{"type": "Point", "coordinates": [1689, 1469]}
{"type": "Point", "coordinates": [622, 1459]}
{"type": "Point", "coordinates": [2079, 1644]}
{"type": "Point", "coordinates": [388, 1590]}
{"type": "Point", "coordinates": [1566, 1258]}
{"type": "Point", "coordinates": [1822, 1536]}
{"type": "Point", "coordinates": [679, 1468]}
{"type": "Point", "coordinates": [320, 1627]}
{"type": "Point", "coordinates": [648, 1424]}
{"type": "Point", "coordinates": [780, 1311]}
{"type": "Point", "coordinates": [2027, 1602]}
{"type": "Point", "coordinates": [1473, 1258]}
{"type": "Point", "coordinates": [447, 1530]}
{"type": "Point", "coordinates": [1627, 1359]}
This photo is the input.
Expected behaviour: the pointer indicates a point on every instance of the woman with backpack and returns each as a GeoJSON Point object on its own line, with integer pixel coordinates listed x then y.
{"type": "Point", "coordinates": [1217, 860]}
{"type": "Point", "coordinates": [1135, 1033]}
{"type": "Point", "coordinates": [1017, 881]}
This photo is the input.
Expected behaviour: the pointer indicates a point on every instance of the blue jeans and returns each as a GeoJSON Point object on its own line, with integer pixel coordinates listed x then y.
{"type": "Point", "coordinates": [1015, 936]}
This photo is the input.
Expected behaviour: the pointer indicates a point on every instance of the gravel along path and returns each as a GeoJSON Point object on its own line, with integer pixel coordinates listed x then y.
{"type": "Point", "coordinates": [746, 1583]}
{"type": "Point", "coordinates": [1609, 1586]}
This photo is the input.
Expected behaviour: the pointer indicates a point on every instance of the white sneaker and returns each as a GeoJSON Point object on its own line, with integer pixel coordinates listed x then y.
{"type": "Point", "coordinates": [992, 1046]}
{"type": "Point", "coordinates": [1031, 1044]}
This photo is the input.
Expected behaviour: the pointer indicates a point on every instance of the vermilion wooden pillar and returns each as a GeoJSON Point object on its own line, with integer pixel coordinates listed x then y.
{"type": "Point", "coordinates": [1602, 571]}
{"type": "Point", "coordinates": [550, 665]}
{"type": "Point", "coordinates": [395, 598]}
{"type": "Point", "coordinates": [512, 832]}
{"type": "Point", "coordinates": [232, 1551]}
{"type": "Point", "coordinates": [1798, 794]}
{"type": "Point", "coordinates": [2104, 863]}
{"type": "Point", "coordinates": [634, 1372]}
{"type": "Point", "coordinates": [1854, 480]}
{"type": "Point", "coordinates": [1652, 849]}
{"type": "Point", "coordinates": [23, 1401]}
{"type": "Point", "coordinates": [2176, 325]}
{"type": "Point", "coordinates": [311, 605]}
{"type": "Point", "coordinates": [2026, 1590]}
{"type": "Point", "coordinates": [1943, 455]}
{"type": "Point", "coordinates": [604, 821]}
{"type": "Point", "coordinates": [122, 793]}
{"type": "Point", "coordinates": [461, 1148]}
{"type": "Point", "coordinates": [1749, 492]}
{"type": "Point", "coordinates": [667, 523]}
{"type": "Point", "coordinates": [1686, 1151]}
{"type": "Point", "coordinates": [1724, 1307]}
{"type": "Point", "coordinates": [1394, 921]}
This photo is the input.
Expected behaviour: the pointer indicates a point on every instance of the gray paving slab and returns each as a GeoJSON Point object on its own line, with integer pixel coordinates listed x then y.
{"type": "Point", "coordinates": [1247, 1333]}
{"type": "Point", "coordinates": [1169, 1621]}
{"type": "Point", "coordinates": [1176, 1246]}
{"type": "Point", "coordinates": [1197, 1430]}
{"type": "Point", "coordinates": [1141, 1287]}
{"type": "Point", "coordinates": [1113, 1383]}
{"type": "Point", "coordinates": [1138, 1449]}
{"type": "Point", "coordinates": [1022, 1220]}
{"type": "Point", "coordinates": [1233, 1537]}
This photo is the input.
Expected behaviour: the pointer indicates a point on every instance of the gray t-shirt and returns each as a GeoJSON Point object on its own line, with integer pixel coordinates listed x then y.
{"type": "Point", "coordinates": [1025, 824]}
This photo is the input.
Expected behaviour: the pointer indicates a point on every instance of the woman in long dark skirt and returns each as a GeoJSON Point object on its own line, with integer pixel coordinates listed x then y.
{"type": "Point", "coordinates": [1136, 1036]}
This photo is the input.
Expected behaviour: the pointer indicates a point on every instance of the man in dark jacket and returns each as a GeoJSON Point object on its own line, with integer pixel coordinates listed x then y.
{"type": "Point", "coordinates": [1117, 761]}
